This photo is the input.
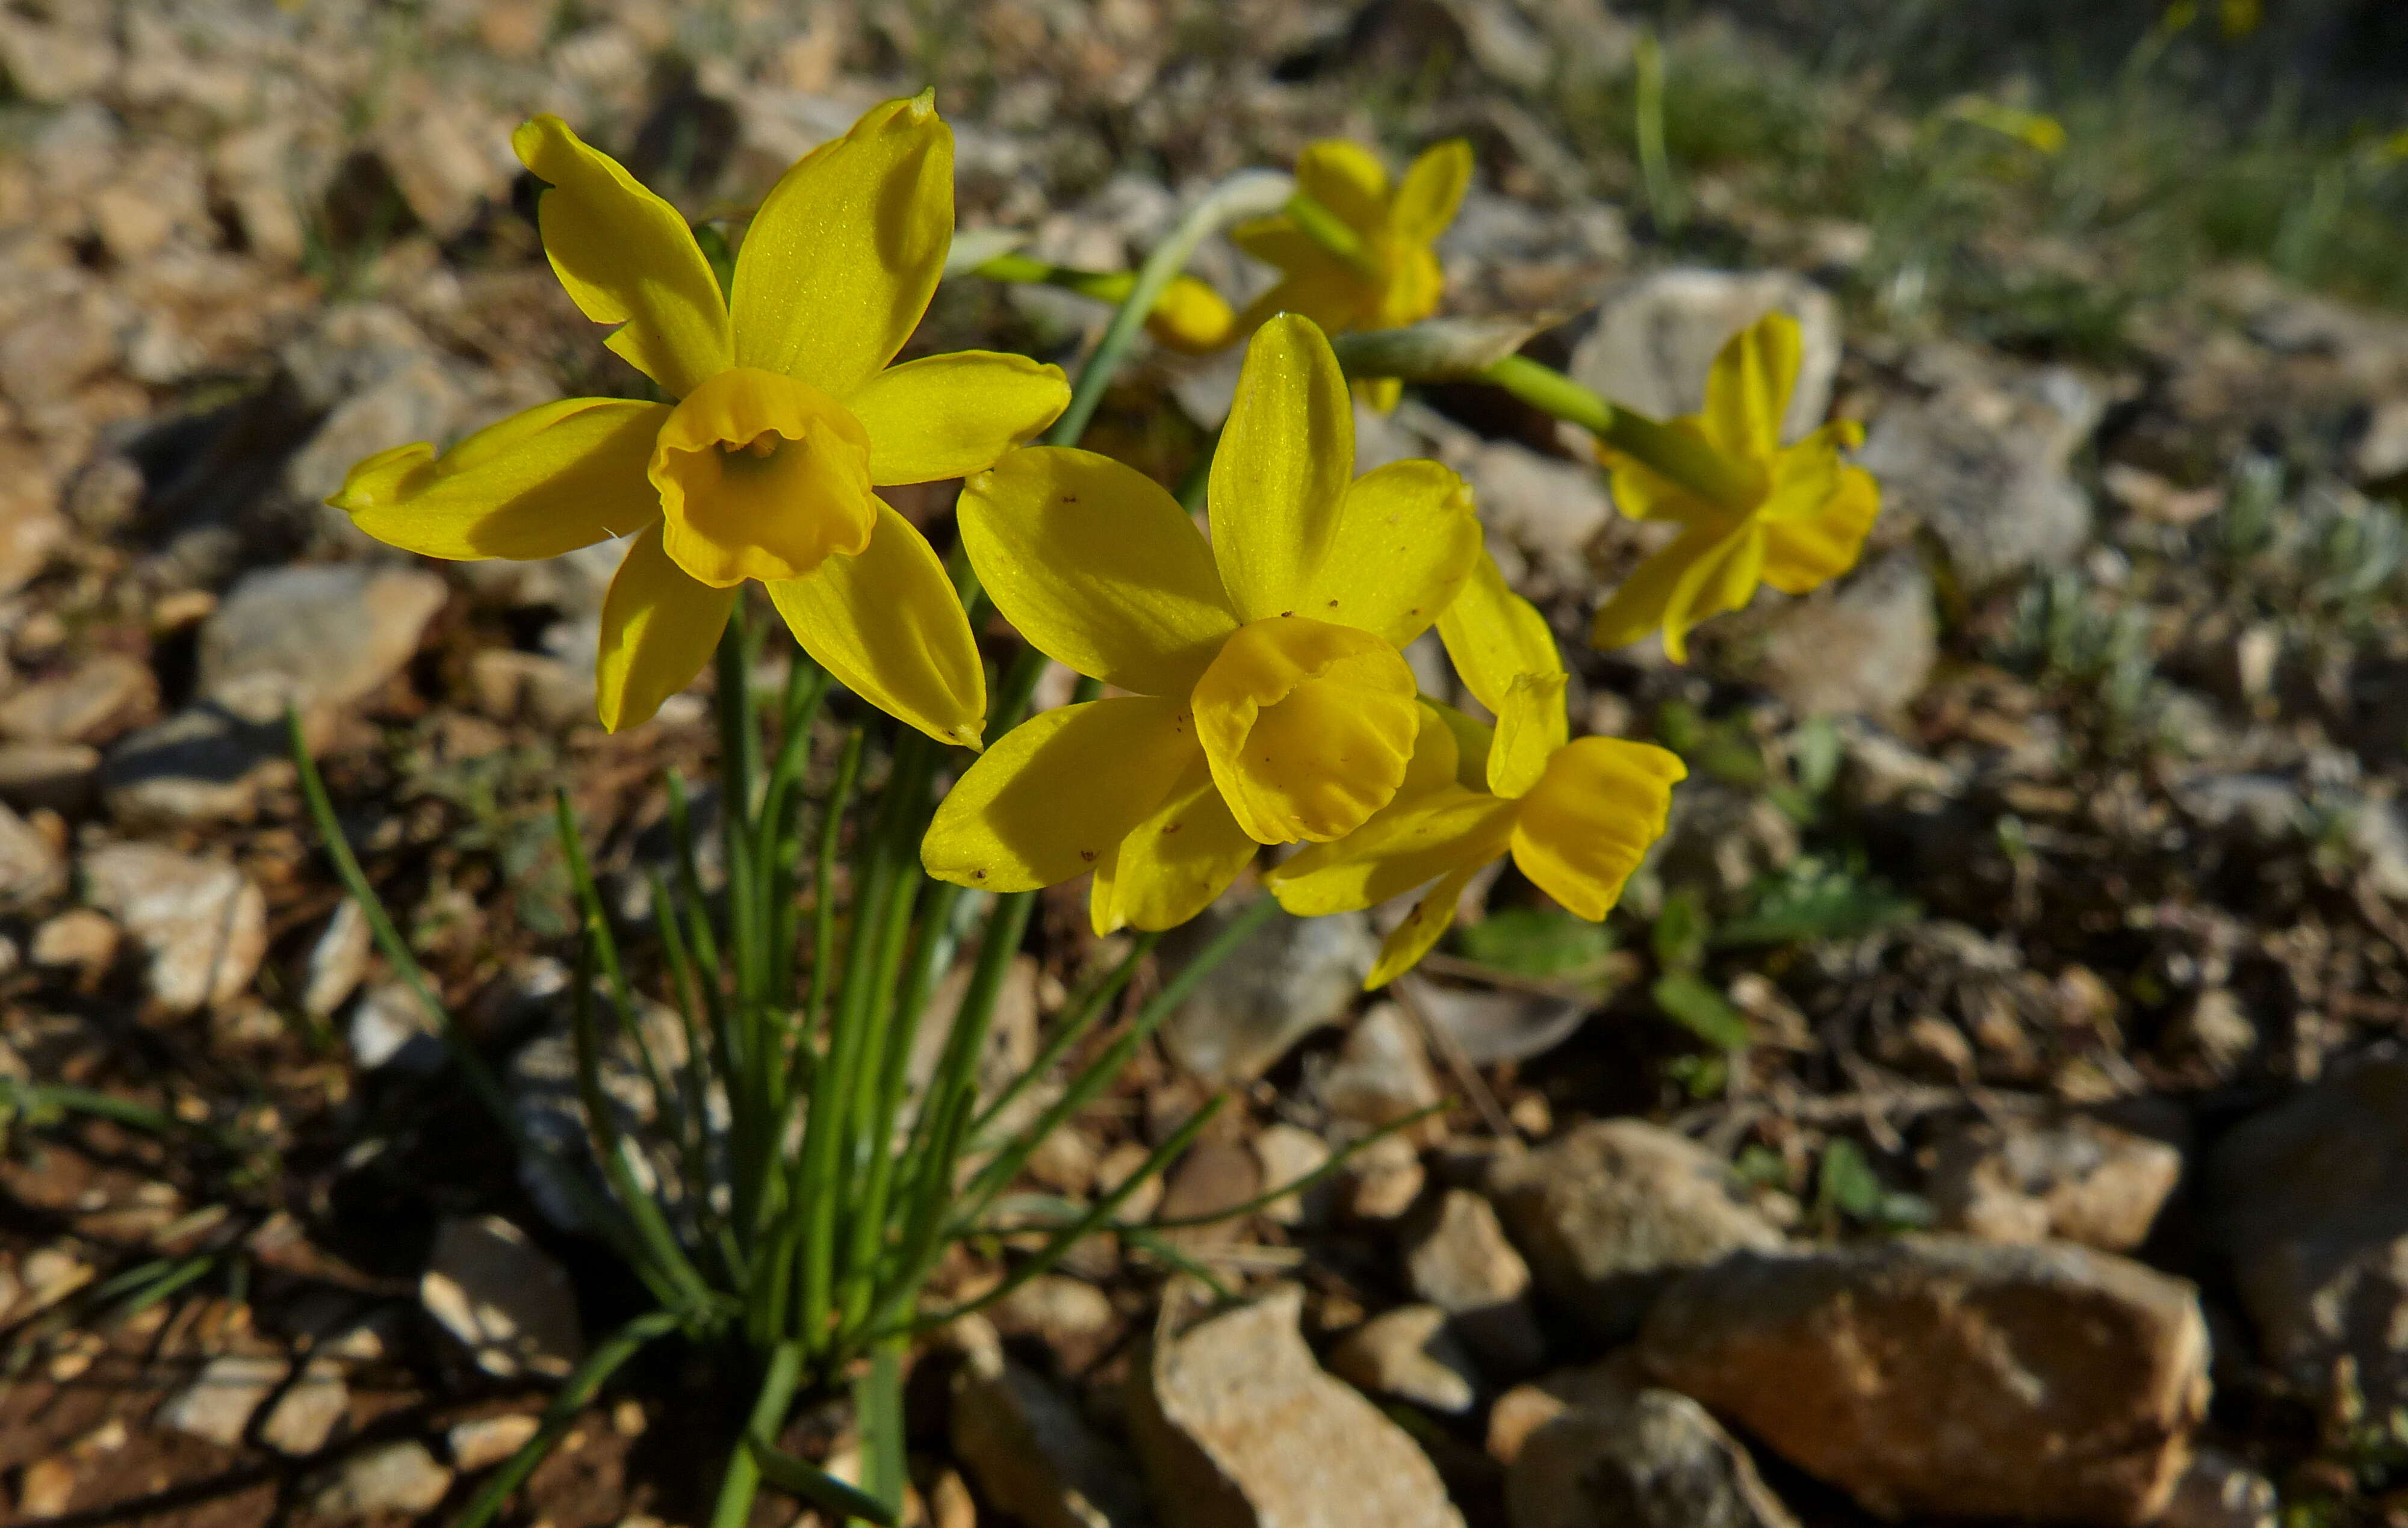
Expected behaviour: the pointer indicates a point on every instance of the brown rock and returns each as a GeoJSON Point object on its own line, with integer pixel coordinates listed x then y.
{"type": "Point", "coordinates": [1240, 1428]}
{"type": "Point", "coordinates": [1610, 1211]}
{"type": "Point", "coordinates": [60, 776]}
{"type": "Point", "coordinates": [2076, 1180]}
{"type": "Point", "coordinates": [100, 698]}
{"type": "Point", "coordinates": [1943, 1376]}
{"type": "Point", "coordinates": [502, 1296]}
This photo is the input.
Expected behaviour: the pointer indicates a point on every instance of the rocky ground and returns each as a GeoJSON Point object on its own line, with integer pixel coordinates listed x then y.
{"type": "Point", "coordinates": [1989, 1104]}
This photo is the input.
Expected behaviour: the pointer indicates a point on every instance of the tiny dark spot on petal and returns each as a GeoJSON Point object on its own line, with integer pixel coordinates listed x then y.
{"type": "Point", "coordinates": [979, 875]}
{"type": "Point", "coordinates": [1089, 856]}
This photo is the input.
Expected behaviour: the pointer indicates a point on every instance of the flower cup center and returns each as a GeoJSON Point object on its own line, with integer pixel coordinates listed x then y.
{"type": "Point", "coordinates": [1308, 726]}
{"type": "Point", "coordinates": [760, 476]}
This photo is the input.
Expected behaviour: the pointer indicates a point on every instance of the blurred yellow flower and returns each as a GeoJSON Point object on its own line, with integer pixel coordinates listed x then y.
{"type": "Point", "coordinates": [1796, 518]}
{"type": "Point", "coordinates": [787, 421]}
{"type": "Point", "coordinates": [1266, 700]}
{"type": "Point", "coordinates": [1372, 268]}
{"type": "Point", "coordinates": [1577, 816]}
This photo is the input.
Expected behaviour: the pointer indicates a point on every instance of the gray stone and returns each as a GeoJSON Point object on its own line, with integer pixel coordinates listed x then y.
{"type": "Point", "coordinates": [1487, 1027]}
{"type": "Point", "coordinates": [401, 1477]}
{"type": "Point", "coordinates": [1610, 1211]}
{"type": "Point", "coordinates": [1621, 1454]}
{"type": "Point", "coordinates": [90, 704]}
{"type": "Point", "coordinates": [1383, 1073]}
{"type": "Point", "coordinates": [1457, 1258]}
{"type": "Point", "coordinates": [201, 765]}
{"type": "Point", "coordinates": [337, 961]}
{"type": "Point", "coordinates": [1034, 1456]}
{"type": "Point", "coordinates": [1290, 977]}
{"type": "Point", "coordinates": [313, 637]}
{"type": "Point", "coordinates": [1941, 1377]}
{"type": "Point", "coordinates": [543, 1088]}
{"type": "Point", "coordinates": [1409, 1353]}
{"type": "Point", "coordinates": [1238, 1427]}
{"type": "Point", "coordinates": [203, 923]}
{"type": "Point", "coordinates": [307, 1413]}
{"type": "Point", "coordinates": [1979, 455]}
{"type": "Point", "coordinates": [1289, 1154]}
{"type": "Point", "coordinates": [390, 1027]}
{"type": "Point", "coordinates": [2309, 1201]}
{"type": "Point", "coordinates": [55, 62]}
{"type": "Point", "coordinates": [2076, 1180]}
{"type": "Point", "coordinates": [503, 1297]}
{"type": "Point", "coordinates": [219, 1403]}
{"type": "Point", "coordinates": [1723, 838]}
{"type": "Point", "coordinates": [1865, 646]}
{"type": "Point", "coordinates": [32, 871]}
{"type": "Point", "coordinates": [1655, 338]}
{"type": "Point", "coordinates": [1548, 509]}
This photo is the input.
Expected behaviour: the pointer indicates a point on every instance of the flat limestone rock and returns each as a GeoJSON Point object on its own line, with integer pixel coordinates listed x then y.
{"type": "Point", "coordinates": [1240, 1428]}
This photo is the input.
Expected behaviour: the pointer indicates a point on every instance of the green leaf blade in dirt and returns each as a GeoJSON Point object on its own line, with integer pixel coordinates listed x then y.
{"type": "Point", "coordinates": [1696, 1007]}
{"type": "Point", "coordinates": [1541, 943]}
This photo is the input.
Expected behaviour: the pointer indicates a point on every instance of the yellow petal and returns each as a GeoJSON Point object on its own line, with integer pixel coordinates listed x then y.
{"type": "Point", "coordinates": [1529, 729]}
{"type": "Point", "coordinates": [1747, 390]}
{"type": "Point", "coordinates": [626, 257]}
{"type": "Point", "coordinates": [1410, 291]}
{"type": "Point", "coordinates": [760, 476]}
{"type": "Point", "coordinates": [1584, 827]}
{"type": "Point", "coordinates": [1492, 635]}
{"type": "Point", "coordinates": [948, 416]}
{"type": "Point", "coordinates": [1173, 863]}
{"type": "Point", "coordinates": [1473, 742]}
{"type": "Point", "coordinates": [539, 483]}
{"type": "Point", "coordinates": [1053, 795]}
{"type": "Point", "coordinates": [1276, 241]}
{"type": "Point", "coordinates": [1803, 551]}
{"type": "Point", "coordinates": [1437, 756]}
{"type": "Point", "coordinates": [658, 629]}
{"type": "Point", "coordinates": [1308, 727]}
{"type": "Point", "coordinates": [1334, 297]}
{"type": "Point", "coordinates": [1281, 468]}
{"type": "Point", "coordinates": [1097, 566]}
{"type": "Point", "coordinates": [1396, 850]}
{"type": "Point", "coordinates": [1638, 604]}
{"type": "Point", "coordinates": [1406, 541]}
{"type": "Point", "coordinates": [1191, 318]}
{"type": "Point", "coordinates": [840, 261]}
{"type": "Point", "coordinates": [1410, 940]}
{"type": "Point", "coordinates": [1722, 579]}
{"type": "Point", "coordinates": [1642, 494]}
{"type": "Point", "coordinates": [889, 627]}
{"type": "Point", "coordinates": [1431, 192]}
{"type": "Point", "coordinates": [1380, 394]}
{"type": "Point", "coordinates": [1348, 179]}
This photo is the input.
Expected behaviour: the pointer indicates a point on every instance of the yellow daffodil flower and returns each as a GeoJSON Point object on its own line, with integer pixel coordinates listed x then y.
{"type": "Point", "coordinates": [1388, 277]}
{"type": "Point", "coordinates": [1796, 516]}
{"type": "Point", "coordinates": [1266, 700]}
{"type": "Point", "coordinates": [1576, 815]}
{"type": "Point", "coordinates": [787, 419]}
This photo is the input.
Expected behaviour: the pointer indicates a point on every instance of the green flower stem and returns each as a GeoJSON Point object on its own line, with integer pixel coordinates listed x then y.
{"type": "Point", "coordinates": [1671, 453]}
{"type": "Point", "coordinates": [1328, 230]}
{"type": "Point", "coordinates": [743, 1477]}
{"type": "Point", "coordinates": [1103, 286]}
{"type": "Point", "coordinates": [1249, 194]}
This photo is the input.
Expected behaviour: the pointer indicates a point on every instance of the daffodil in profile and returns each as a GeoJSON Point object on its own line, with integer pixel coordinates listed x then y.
{"type": "Point", "coordinates": [1374, 269]}
{"type": "Point", "coordinates": [1265, 701]}
{"type": "Point", "coordinates": [786, 420]}
{"type": "Point", "coordinates": [1576, 814]}
{"type": "Point", "coordinates": [1791, 516]}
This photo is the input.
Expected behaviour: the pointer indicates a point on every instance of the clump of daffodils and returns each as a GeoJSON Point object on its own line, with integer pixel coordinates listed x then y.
{"type": "Point", "coordinates": [1256, 689]}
